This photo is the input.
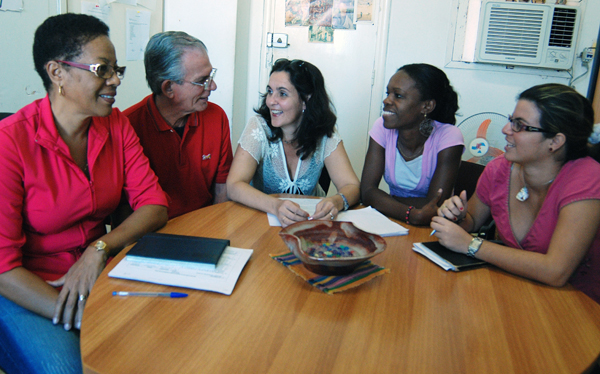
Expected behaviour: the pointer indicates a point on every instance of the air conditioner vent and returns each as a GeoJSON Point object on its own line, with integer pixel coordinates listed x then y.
{"type": "Point", "coordinates": [527, 34]}
{"type": "Point", "coordinates": [514, 32]}
{"type": "Point", "coordinates": [563, 27]}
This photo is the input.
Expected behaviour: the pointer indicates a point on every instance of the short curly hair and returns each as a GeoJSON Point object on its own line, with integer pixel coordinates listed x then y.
{"type": "Point", "coordinates": [62, 37]}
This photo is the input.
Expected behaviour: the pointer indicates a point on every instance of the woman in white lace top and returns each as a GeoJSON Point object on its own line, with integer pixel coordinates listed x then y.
{"type": "Point", "coordinates": [285, 147]}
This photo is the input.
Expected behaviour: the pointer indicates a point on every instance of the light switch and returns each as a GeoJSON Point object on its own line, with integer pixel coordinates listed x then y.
{"type": "Point", "coordinates": [277, 40]}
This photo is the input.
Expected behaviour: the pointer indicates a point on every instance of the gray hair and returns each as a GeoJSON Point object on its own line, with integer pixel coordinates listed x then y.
{"type": "Point", "coordinates": [162, 58]}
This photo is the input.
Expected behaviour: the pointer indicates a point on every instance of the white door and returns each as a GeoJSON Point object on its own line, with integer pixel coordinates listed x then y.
{"type": "Point", "coordinates": [353, 67]}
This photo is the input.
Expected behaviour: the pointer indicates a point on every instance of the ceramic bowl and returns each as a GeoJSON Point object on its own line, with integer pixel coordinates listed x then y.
{"type": "Point", "coordinates": [331, 247]}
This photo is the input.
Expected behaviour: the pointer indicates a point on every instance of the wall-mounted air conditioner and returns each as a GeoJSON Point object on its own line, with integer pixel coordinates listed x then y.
{"type": "Point", "coordinates": [527, 34]}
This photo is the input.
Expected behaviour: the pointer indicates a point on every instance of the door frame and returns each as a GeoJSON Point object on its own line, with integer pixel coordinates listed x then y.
{"type": "Point", "coordinates": [378, 83]}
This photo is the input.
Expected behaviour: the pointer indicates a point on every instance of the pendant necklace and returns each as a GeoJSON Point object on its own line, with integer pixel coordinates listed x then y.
{"type": "Point", "coordinates": [523, 193]}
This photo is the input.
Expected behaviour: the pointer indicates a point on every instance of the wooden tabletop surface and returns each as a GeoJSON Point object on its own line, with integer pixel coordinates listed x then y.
{"type": "Point", "coordinates": [416, 319]}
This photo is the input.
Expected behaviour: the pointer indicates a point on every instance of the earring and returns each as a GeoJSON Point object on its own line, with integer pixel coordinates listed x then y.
{"type": "Point", "coordinates": [60, 90]}
{"type": "Point", "coordinates": [426, 126]}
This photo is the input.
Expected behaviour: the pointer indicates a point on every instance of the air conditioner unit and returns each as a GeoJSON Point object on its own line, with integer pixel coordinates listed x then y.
{"type": "Point", "coordinates": [527, 34]}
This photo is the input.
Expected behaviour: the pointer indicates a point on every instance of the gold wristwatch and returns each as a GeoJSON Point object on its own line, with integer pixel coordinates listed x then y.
{"type": "Point", "coordinates": [101, 246]}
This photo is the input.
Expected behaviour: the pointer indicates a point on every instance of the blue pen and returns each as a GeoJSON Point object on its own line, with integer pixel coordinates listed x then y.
{"type": "Point", "coordinates": [172, 295]}
{"type": "Point", "coordinates": [433, 232]}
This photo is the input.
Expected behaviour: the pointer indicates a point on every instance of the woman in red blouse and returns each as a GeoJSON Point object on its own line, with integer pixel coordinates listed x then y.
{"type": "Point", "coordinates": [65, 162]}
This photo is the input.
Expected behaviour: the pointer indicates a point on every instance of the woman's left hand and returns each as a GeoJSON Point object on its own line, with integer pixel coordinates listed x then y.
{"type": "Point", "coordinates": [325, 210]}
{"type": "Point", "coordinates": [76, 286]}
{"type": "Point", "coordinates": [451, 235]}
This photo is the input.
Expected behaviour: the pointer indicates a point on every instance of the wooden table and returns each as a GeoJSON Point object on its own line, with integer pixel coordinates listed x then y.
{"type": "Point", "coordinates": [416, 319]}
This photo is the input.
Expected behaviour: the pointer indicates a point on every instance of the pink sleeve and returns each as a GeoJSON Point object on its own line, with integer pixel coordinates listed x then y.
{"type": "Point", "coordinates": [378, 132]}
{"type": "Point", "coordinates": [486, 182]}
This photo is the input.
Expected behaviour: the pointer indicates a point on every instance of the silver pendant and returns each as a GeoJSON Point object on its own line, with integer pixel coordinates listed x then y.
{"type": "Point", "coordinates": [523, 194]}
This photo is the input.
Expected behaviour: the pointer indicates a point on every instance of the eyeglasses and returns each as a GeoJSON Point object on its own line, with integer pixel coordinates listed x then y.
{"type": "Point", "coordinates": [517, 126]}
{"type": "Point", "coordinates": [104, 71]}
{"type": "Point", "coordinates": [207, 82]}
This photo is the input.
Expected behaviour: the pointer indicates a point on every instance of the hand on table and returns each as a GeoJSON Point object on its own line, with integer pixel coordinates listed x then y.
{"type": "Point", "coordinates": [76, 286]}
{"type": "Point", "coordinates": [451, 235]}
{"type": "Point", "coordinates": [289, 212]}
{"type": "Point", "coordinates": [325, 210]}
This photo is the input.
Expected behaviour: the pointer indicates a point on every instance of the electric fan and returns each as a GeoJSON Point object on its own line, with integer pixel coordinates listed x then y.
{"type": "Point", "coordinates": [483, 137]}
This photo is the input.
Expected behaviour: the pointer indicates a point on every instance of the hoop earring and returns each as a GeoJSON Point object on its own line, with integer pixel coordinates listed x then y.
{"type": "Point", "coordinates": [426, 127]}
{"type": "Point", "coordinates": [60, 90]}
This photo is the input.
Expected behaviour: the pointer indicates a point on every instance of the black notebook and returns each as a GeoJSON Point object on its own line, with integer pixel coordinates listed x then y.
{"type": "Point", "coordinates": [157, 247]}
{"type": "Point", "coordinates": [447, 259]}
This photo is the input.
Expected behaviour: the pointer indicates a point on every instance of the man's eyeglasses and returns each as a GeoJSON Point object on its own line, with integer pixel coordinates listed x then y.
{"type": "Point", "coordinates": [206, 82]}
{"type": "Point", "coordinates": [516, 125]}
{"type": "Point", "coordinates": [103, 71]}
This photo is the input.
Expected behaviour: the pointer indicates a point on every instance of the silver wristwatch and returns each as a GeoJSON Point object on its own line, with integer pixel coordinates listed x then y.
{"type": "Point", "coordinates": [474, 246]}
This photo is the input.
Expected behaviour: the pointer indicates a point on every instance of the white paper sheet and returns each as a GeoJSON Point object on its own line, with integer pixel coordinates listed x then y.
{"type": "Point", "coordinates": [137, 33]}
{"type": "Point", "coordinates": [420, 248]}
{"type": "Point", "coordinates": [95, 9]}
{"type": "Point", "coordinates": [221, 280]}
{"type": "Point", "coordinates": [367, 219]}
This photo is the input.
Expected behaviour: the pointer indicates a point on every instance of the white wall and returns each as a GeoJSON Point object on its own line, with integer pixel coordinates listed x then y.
{"type": "Point", "coordinates": [215, 23]}
{"type": "Point", "coordinates": [419, 33]}
{"type": "Point", "coordinates": [19, 82]}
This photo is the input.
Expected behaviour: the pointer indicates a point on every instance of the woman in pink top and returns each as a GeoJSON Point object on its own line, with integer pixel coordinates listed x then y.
{"type": "Point", "coordinates": [65, 162]}
{"type": "Point", "coordinates": [414, 146]}
{"type": "Point", "coordinates": [543, 193]}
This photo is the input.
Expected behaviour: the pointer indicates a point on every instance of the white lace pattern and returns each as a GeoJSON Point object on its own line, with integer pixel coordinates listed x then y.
{"type": "Point", "coordinates": [272, 175]}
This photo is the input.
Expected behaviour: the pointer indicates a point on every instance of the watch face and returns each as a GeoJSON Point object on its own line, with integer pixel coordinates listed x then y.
{"type": "Point", "coordinates": [100, 245]}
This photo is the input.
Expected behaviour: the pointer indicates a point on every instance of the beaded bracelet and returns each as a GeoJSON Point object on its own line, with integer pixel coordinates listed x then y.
{"type": "Point", "coordinates": [408, 213]}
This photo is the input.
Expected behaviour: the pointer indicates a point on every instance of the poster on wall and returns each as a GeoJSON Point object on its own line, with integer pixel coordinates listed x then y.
{"type": "Point", "coordinates": [320, 34]}
{"type": "Point", "coordinates": [296, 12]}
{"type": "Point", "coordinates": [343, 15]}
{"type": "Point", "coordinates": [364, 11]}
{"type": "Point", "coordinates": [320, 12]}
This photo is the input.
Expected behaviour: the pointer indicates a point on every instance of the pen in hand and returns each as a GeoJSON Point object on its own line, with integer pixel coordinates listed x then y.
{"type": "Point", "coordinates": [172, 295]}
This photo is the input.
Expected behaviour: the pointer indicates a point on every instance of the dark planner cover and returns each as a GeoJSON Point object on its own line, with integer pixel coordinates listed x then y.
{"type": "Point", "coordinates": [181, 248]}
{"type": "Point", "coordinates": [459, 260]}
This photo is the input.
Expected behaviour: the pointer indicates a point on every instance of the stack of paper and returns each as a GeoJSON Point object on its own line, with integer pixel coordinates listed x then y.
{"type": "Point", "coordinates": [367, 219]}
{"type": "Point", "coordinates": [222, 279]}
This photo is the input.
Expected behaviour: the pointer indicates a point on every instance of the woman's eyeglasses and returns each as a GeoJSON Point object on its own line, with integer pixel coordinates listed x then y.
{"type": "Point", "coordinates": [104, 71]}
{"type": "Point", "coordinates": [516, 125]}
{"type": "Point", "coordinates": [206, 82]}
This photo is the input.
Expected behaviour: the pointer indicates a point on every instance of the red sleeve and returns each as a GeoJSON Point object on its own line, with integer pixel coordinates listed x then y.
{"type": "Point", "coordinates": [226, 155]}
{"type": "Point", "coordinates": [140, 183]}
{"type": "Point", "coordinates": [12, 237]}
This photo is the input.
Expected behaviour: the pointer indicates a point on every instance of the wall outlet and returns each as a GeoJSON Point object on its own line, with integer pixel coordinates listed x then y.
{"type": "Point", "coordinates": [588, 54]}
{"type": "Point", "coordinates": [275, 40]}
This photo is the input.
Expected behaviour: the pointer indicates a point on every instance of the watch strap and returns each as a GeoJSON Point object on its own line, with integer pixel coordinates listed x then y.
{"type": "Point", "coordinates": [474, 246]}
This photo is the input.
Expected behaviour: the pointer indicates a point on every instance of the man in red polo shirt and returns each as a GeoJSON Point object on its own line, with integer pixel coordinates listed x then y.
{"type": "Point", "coordinates": [185, 136]}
